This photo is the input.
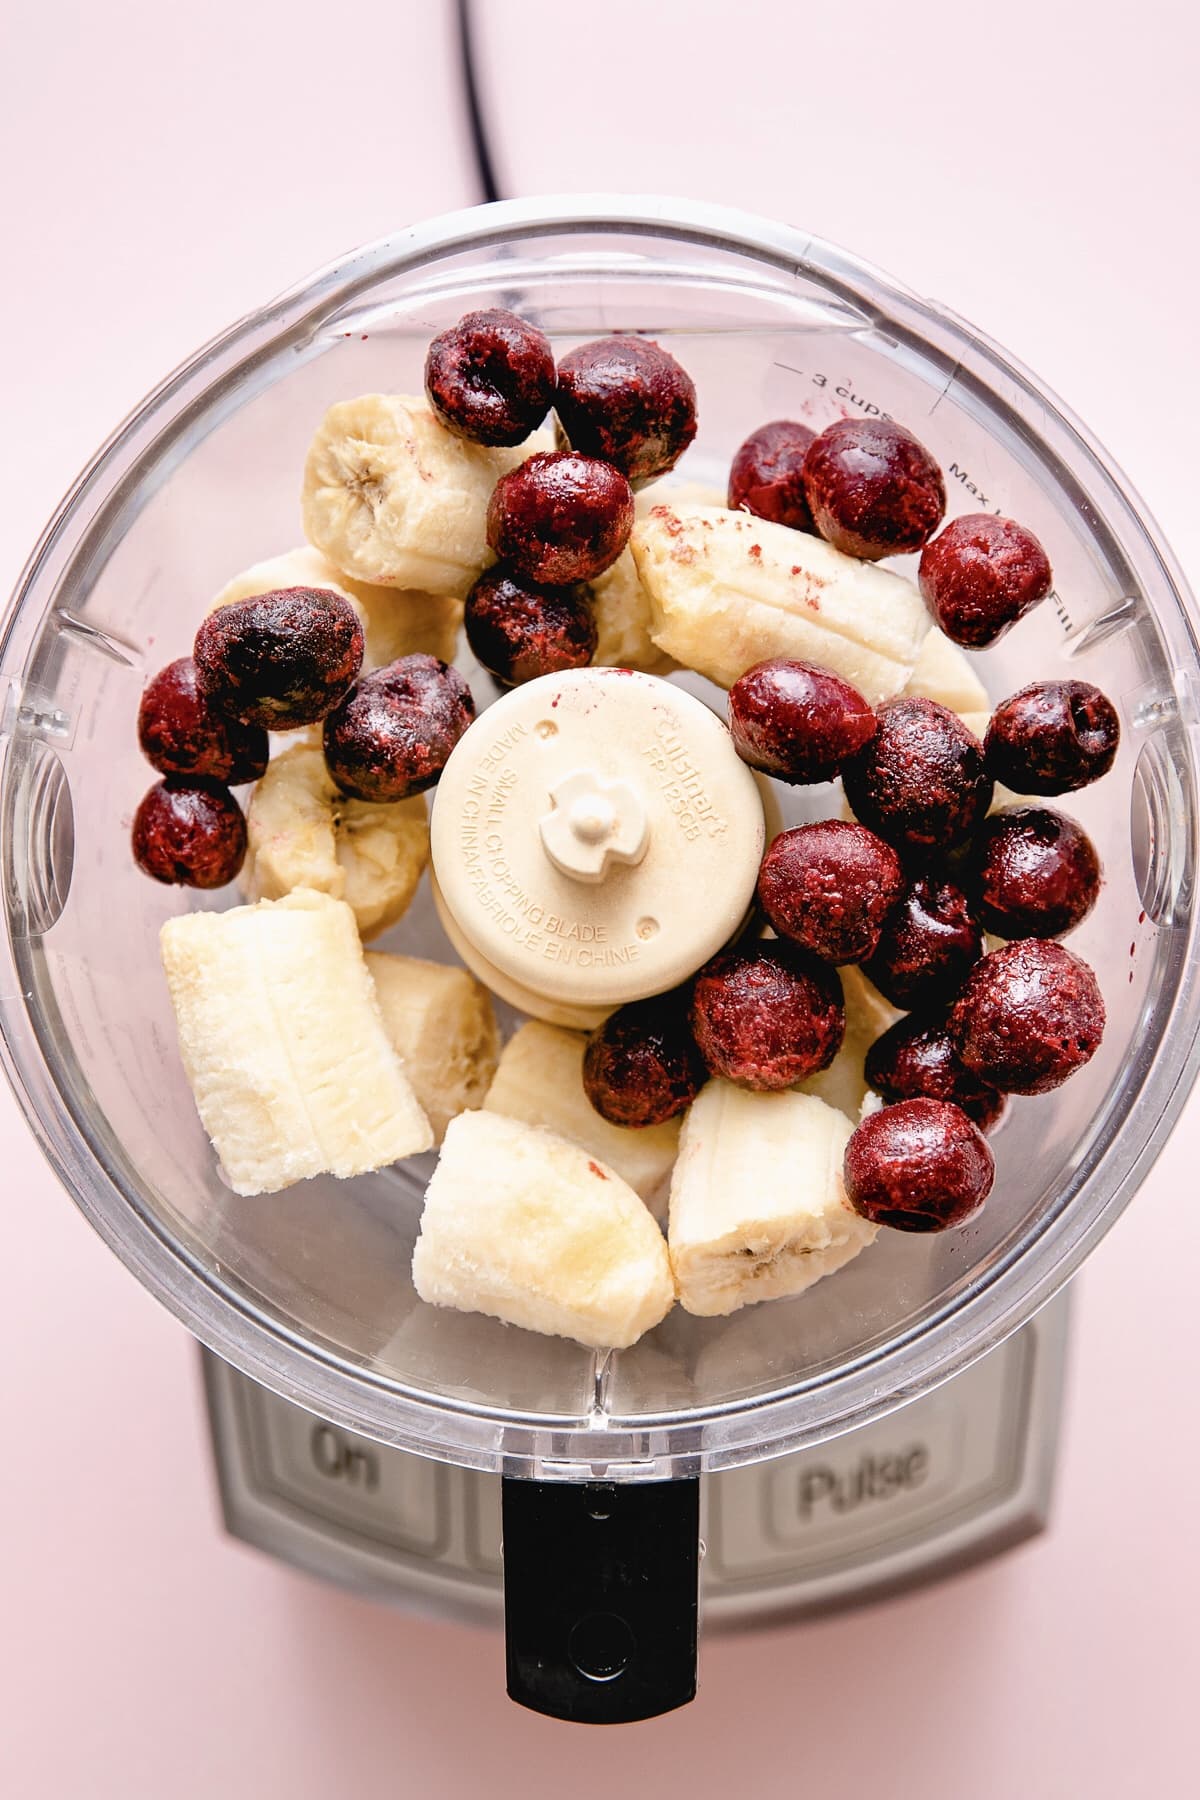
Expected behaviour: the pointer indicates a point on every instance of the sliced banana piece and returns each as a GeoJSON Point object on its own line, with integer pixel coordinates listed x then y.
{"type": "Point", "coordinates": [946, 674]}
{"type": "Point", "coordinates": [529, 1228]}
{"type": "Point", "coordinates": [284, 1046]}
{"type": "Point", "coordinates": [727, 590]}
{"type": "Point", "coordinates": [540, 1079]}
{"type": "Point", "coordinates": [620, 602]}
{"type": "Point", "coordinates": [868, 1015]}
{"type": "Point", "coordinates": [395, 499]}
{"type": "Point", "coordinates": [621, 607]}
{"type": "Point", "coordinates": [758, 1210]}
{"type": "Point", "coordinates": [302, 833]}
{"type": "Point", "coordinates": [396, 622]}
{"type": "Point", "coordinates": [441, 1024]}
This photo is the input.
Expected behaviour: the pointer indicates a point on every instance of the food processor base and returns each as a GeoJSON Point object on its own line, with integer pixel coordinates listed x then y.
{"type": "Point", "coordinates": [957, 1475]}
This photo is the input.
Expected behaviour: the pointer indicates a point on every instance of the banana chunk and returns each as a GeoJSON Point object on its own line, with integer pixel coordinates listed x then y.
{"type": "Point", "coordinates": [945, 673]}
{"type": "Point", "coordinates": [396, 622]}
{"type": "Point", "coordinates": [868, 1015]}
{"type": "Point", "coordinates": [526, 1227]}
{"type": "Point", "coordinates": [758, 1210]}
{"type": "Point", "coordinates": [727, 590]}
{"type": "Point", "coordinates": [621, 607]}
{"type": "Point", "coordinates": [540, 1079]}
{"type": "Point", "coordinates": [284, 1046]}
{"type": "Point", "coordinates": [440, 1023]}
{"type": "Point", "coordinates": [621, 603]}
{"type": "Point", "coordinates": [301, 832]}
{"type": "Point", "coordinates": [395, 499]}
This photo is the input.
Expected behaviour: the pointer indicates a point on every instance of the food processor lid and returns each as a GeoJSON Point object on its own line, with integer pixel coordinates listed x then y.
{"type": "Point", "coordinates": [596, 837]}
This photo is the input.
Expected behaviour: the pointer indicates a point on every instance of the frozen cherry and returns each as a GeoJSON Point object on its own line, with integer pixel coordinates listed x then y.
{"type": "Point", "coordinates": [768, 1016]}
{"type": "Point", "coordinates": [182, 733]}
{"type": "Point", "coordinates": [918, 1166]}
{"type": "Point", "coordinates": [642, 1065]}
{"type": "Point", "coordinates": [1028, 1015]}
{"type": "Point", "coordinates": [560, 517]}
{"type": "Point", "coordinates": [872, 488]}
{"type": "Point", "coordinates": [797, 721]}
{"type": "Point", "coordinates": [927, 945]}
{"type": "Point", "coordinates": [279, 660]}
{"type": "Point", "coordinates": [916, 1059]}
{"type": "Point", "coordinates": [1036, 872]}
{"type": "Point", "coordinates": [829, 887]}
{"type": "Point", "coordinates": [982, 575]}
{"type": "Point", "coordinates": [921, 781]}
{"type": "Point", "coordinates": [518, 630]}
{"type": "Point", "coordinates": [393, 733]}
{"type": "Point", "coordinates": [1052, 738]}
{"type": "Point", "coordinates": [766, 477]}
{"type": "Point", "coordinates": [490, 378]}
{"type": "Point", "coordinates": [189, 833]}
{"type": "Point", "coordinates": [627, 400]}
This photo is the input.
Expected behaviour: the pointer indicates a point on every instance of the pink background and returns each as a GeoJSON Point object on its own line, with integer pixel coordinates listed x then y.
{"type": "Point", "coordinates": [168, 168]}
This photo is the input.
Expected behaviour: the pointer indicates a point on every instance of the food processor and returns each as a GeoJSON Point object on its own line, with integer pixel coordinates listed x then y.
{"type": "Point", "coordinates": [895, 1421]}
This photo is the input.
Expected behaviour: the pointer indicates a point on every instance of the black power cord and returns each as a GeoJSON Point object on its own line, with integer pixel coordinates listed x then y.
{"type": "Point", "coordinates": [480, 148]}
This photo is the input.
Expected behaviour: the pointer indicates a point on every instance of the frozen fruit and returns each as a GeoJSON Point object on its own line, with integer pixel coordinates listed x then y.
{"type": "Point", "coordinates": [642, 1065]}
{"type": "Point", "coordinates": [982, 575]}
{"type": "Point", "coordinates": [560, 517]}
{"type": "Point", "coordinates": [395, 500]}
{"type": "Point", "coordinates": [393, 733]}
{"type": "Point", "coordinates": [768, 1016]}
{"type": "Point", "coordinates": [189, 833]}
{"type": "Point", "coordinates": [921, 781]}
{"type": "Point", "coordinates": [1036, 872]}
{"type": "Point", "coordinates": [797, 721]}
{"type": "Point", "coordinates": [766, 477]}
{"type": "Point", "coordinates": [918, 1166]}
{"type": "Point", "coordinates": [1052, 738]}
{"type": "Point", "coordinates": [519, 630]}
{"type": "Point", "coordinates": [530, 1228]}
{"type": "Point", "coordinates": [182, 733]}
{"type": "Point", "coordinates": [829, 888]}
{"type": "Point", "coordinates": [490, 378]}
{"type": "Point", "coordinates": [927, 945]}
{"type": "Point", "coordinates": [284, 1045]}
{"type": "Point", "coordinates": [872, 488]}
{"type": "Point", "coordinates": [302, 833]}
{"type": "Point", "coordinates": [727, 591]}
{"type": "Point", "coordinates": [281, 660]}
{"type": "Point", "coordinates": [758, 1211]}
{"type": "Point", "coordinates": [916, 1059]}
{"type": "Point", "coordinates": [1028, 1015]}
{"type": "Point", "coordinates": [627, 400]}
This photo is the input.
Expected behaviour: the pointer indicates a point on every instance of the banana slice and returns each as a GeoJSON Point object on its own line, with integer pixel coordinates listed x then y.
{"type": "Point", "coordinates": [620, 602]}
{"type": "Point", "coordinates": [946, 674]}
{"type": "Point", "coordinates": [540, 1079]}
{"type": "Point", "coordinates": [284, 1046]}
{"type": "Point", "coordinates": [302, 833]}
{"type": "Point", "coordinates": [441, 1024]}
{"type": "Point", "coordinates": [396, 622]}
{"type": "Point", "coordinates": [758, 1210]}
{"type": "Point", "coordinates": [526, 1227]}
{"type": "Point", "coordinates": [395, 499]}
{"type": "Point", "coordinates": [727, 590]}
{"type": "Point", "coordinates": [621, 607]}
{"type": "Point", "coordinates": [868, 1016]}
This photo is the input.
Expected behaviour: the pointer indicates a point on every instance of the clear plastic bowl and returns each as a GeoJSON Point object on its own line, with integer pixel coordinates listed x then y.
{"type": "Point", "coordinates": [309, 1290]}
